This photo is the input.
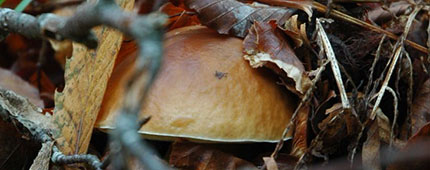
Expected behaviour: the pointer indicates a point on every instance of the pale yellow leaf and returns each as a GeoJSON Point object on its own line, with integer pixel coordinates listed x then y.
{"type": "Point", "coordinates": [86, 76]}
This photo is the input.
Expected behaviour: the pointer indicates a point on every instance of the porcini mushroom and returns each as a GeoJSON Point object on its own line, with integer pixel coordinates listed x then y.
{"type": "Point", "coordinates": [205, 91]}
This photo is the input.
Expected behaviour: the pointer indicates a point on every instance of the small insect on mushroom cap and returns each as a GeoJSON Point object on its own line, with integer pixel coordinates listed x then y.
{"type": "Point", "coordinates": [205, 91]}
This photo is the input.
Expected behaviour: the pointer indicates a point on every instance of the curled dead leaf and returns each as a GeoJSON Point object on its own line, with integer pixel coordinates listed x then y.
{"type": "Point", "coordinates": [266, 44]}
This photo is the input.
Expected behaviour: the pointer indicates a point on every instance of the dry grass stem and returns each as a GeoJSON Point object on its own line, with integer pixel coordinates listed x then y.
{"type": "Point", "coordinates": [398, 50]}
{"type": "Point", "coordinates": [325, 43]}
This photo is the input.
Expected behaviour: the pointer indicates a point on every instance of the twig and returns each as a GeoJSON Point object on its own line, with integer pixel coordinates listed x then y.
{"type": "Point", "coordinates": [325, 43]}
{"type": "Point", "coordinates": [59, 158]}
{"type": "Point", "coordinates": [335, 13]}
{"type": "Point", "coordinates": [51, 6]}
{"type": "Point", "coordinates": [397, 51]}
{"type": "Point", "coordinates": [302, 102]}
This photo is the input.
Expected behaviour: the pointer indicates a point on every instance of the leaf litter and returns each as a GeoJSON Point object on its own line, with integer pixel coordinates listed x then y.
{"type": "Point", "coordinates": [369, 108]}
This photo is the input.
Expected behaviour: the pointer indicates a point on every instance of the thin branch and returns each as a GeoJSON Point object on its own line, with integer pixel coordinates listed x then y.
{"type": "Point", "coordinates": [59, 158]}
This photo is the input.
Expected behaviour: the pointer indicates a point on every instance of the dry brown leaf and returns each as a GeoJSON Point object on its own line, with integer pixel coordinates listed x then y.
{"type": "Point", "coordinates": [336, 128]}
{"type": "Point", "coordinates": [266, 45]}
{"type": "Point", "coordinates": [304, 5]}
{"type": "Point", "coordinates": [291, 28]}
{"type": "Point", "coordinates": [300, 138]}
{"type": "Point", "coordinates": [12, 82]}
{"type": "Point", "coordinates": [420, 110]}
{"type": "Point", "coordinates": [86, 76]}
{"type": "Point", "coordinates": [115, 90]}
{"type": "Point", "coordinates": [415, 155]}
{"type": "Point", "coordinates": [233, 17]}
{"type": "Point", "coordinates": [379, 131]}
{"type": "Point", "coordinates": [26, 118]}
{"type": "Point", "coordinates": [178, 17]}
{"type": "Point", "coordinates": [423, 132]}
{"type": "Point", "coordinates": [270, 163]}
{"type": "Point", "coordinates": [198, 157]}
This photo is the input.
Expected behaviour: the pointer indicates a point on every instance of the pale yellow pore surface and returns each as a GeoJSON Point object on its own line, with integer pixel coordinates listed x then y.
{"type": "Point", "coordinates": [207, 91]}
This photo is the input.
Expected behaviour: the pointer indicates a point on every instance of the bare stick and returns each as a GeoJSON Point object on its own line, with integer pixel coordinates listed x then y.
{"type": "Point", "coordinates": [398, 50]}
{"type": "Point", "coordinates": [325, 43]}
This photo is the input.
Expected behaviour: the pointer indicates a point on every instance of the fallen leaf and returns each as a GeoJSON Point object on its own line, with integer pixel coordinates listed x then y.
{"type": "Point", "coordinates": [422, 133]}
{"type": "Point", "coordinates": [30, 122]}
{"type": "Point", "coordinates": [86, 76]}
{"type": "Point", "coordinates": [285, 161]}
{"type": "Point", "coordinates": [420, 109]}
{"type": "Point", "coordinates": [235, 18]}
{"type": "Point", "coordinates": [337, 128]}
{"type": "Point", "coordinates": [198, 157]}
{"type": "Point", "coordinates": [178, 17]}
{"type": "Point", "coordinates": [379, 131]}
{"type": "Point", "coordinates": [415, 155]}
{"type": "Point", "coordinates": [304, 5]}
{"type": "Point", "coordinates": [291, 28]}
{"type": "Point", "coordinates": [46, 87]}
{"type": "Point", "coordinates": [270, 163]}
{"type": "Point", "coordinates": [12, 82]}
{"type": "Point", "coordinates": [122, 71]}
{"type": "Point", "coordinates": [300, 139]}
{"type": "Point", "coordinates": [266, 44]}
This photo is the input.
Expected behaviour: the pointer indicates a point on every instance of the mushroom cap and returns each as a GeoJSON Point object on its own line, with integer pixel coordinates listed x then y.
{"type": "Point", "coordinates": [206, 91]}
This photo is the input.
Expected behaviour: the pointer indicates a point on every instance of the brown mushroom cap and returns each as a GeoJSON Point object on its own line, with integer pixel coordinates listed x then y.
{"type": "Point", "coordinates": [206, 91]}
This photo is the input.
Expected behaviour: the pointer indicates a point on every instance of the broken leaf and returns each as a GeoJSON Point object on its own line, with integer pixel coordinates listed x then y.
{"type": "Point", "coordinates": [266, 45]}
{"type": "Point", "coordinates": [86, 76]}
{"type": "Point", "coordinates": [235, 18]}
